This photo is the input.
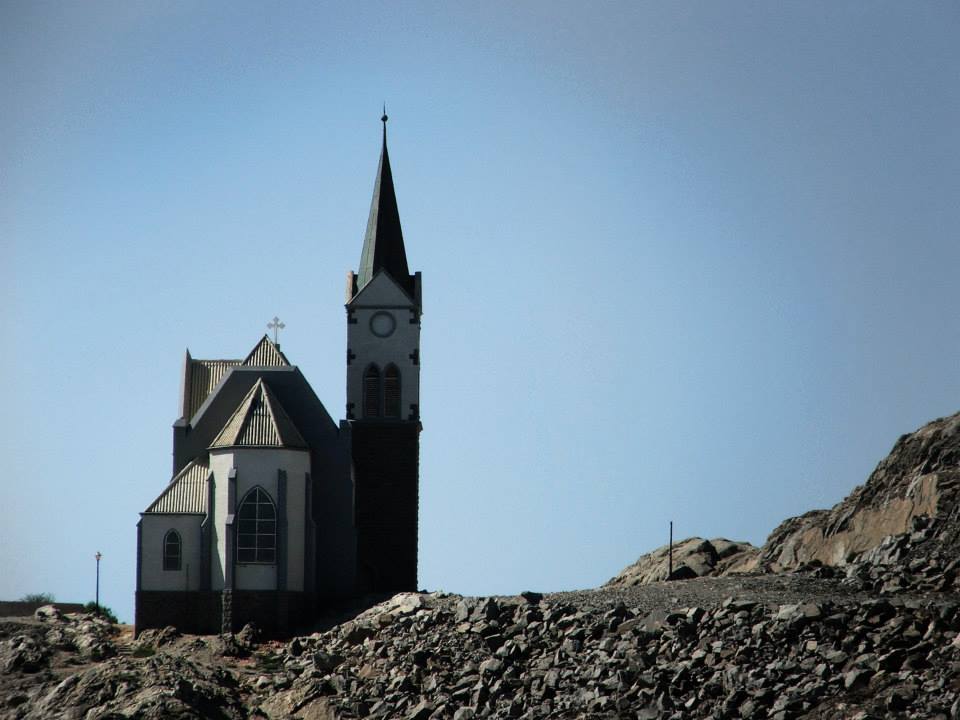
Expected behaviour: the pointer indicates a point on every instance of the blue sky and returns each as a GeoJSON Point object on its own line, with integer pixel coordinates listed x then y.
{"type": "Point", "coordinates": [688, 261]}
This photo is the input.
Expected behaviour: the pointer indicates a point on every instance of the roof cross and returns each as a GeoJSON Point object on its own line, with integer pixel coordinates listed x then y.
{"type": "Point", "coordinates": [276, 326]}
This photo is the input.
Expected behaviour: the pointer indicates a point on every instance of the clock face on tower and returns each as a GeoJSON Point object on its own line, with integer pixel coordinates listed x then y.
{"type": "Point", "coordinates": [382, 324]}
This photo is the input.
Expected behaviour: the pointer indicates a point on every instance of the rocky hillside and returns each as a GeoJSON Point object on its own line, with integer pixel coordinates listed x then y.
{"type": "Point", "coordinates": [760, 646]}
{"type": "Point", "coordinates": [916, 485]}
{"type": "Point", "coordinates": [851, 613]}
{"type": "Point", "coordinates": [920, 478]}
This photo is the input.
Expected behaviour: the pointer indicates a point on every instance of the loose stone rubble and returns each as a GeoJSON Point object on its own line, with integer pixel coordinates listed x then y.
{"type": "Point", "coordinates": [817, 643]}
{"type": "Point", "coordinates": [847, 614]}
{"type": "Point", "coordinates": [437, 656]}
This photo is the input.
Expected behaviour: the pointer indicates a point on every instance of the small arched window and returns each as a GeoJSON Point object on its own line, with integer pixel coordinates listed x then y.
{"type": "Point", "coordinates": [257, 528]}
{"type": "Point", "coordinates": [371, 392]}
{"type": "Point", "coordinates": [391, 392]}
{"type": "Point", "coordinates": [172, 550]}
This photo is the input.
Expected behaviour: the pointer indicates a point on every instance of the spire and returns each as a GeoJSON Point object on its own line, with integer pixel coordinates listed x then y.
{"type": "Point", "coordinates": [383, 243]}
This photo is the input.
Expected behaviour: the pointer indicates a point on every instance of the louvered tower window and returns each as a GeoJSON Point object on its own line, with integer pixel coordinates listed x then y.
{"type": "Point", "coordinates": [371, 392]}
{"type": "Point", "coordinates": [172, 550]}
{"type": "Point", "coordinates": [391, 392]}
{"type": "Point", "coordinates": [257, 528]}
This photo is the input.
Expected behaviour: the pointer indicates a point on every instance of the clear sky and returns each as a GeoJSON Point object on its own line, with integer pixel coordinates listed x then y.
{"type": "Point", "coordinates": [693, 261]}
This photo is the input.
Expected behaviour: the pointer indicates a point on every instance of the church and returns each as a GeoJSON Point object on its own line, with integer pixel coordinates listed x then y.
{"type": "Point", "coordinates": [275, 511]}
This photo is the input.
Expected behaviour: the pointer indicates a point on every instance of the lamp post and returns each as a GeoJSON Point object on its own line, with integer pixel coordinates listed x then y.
{"type": "Point", "coordinates": [97, 600]}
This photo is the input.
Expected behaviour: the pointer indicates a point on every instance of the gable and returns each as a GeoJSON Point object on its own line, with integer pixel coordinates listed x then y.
{"type": "Point", "coordinates": [260, 421]}
{"type": "Point", "coordinates": [266, 354]}
{"type": "Point", "coordinates": [382, 291]}
{"type": "Point", "coordinates": [292, 391]}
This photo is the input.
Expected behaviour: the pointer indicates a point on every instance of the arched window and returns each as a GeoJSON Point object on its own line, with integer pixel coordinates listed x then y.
{"type": "Point", "coordinates": [257, 528]}
{"type": "Point", "coordinates": [391, 392]}
{"type": "Point", "coordinates": [172, 550]}
{"type": "Point", "coordinates": [371, 392]}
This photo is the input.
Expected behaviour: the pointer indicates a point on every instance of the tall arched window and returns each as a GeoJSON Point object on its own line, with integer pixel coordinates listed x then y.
{"type": "Point", "coordinates": [391, 392]}
{"type": "Point", "coordinates": [172, 550]}
{"type": "Point", "coordinates": [257, 528]}
{"type": "Point", "coordinates": [371, 392]}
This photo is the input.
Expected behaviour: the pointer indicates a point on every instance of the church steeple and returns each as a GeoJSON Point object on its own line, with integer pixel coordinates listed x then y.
{"type": "Point", "coordinates": [383, 243]}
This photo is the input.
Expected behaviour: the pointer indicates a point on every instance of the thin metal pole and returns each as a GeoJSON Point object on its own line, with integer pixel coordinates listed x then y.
{"type": "Point", "coordinates": [670, 571]}
{"type": "Point", "coordinates": [97, 601]}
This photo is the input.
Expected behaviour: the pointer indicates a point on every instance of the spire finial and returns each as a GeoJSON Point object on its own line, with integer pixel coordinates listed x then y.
{"type": "Point", "coordinates": [384, 121]}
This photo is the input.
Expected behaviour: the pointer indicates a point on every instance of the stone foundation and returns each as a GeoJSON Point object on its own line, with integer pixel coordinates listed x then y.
{"type": "Point", "coordinates": [210, 613]}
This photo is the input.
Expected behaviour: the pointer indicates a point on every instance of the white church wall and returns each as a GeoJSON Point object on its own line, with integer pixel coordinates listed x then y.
{"type": "Point", "coordinates": [153, 529]}
{"type": "Point", "coordinates": [220, 464]}
{"type": "Point", "coordinates": [383, 296]}
{"type": "Point", "coordinates": [259, 467]}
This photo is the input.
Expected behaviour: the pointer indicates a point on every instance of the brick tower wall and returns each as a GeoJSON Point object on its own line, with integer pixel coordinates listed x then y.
{"type": "Point", "coordinates": [386, 462]}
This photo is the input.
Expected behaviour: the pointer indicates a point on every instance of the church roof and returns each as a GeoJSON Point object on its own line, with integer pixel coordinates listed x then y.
{"type": "Point", "coordinates": [201, 377]}
{"type": "Point", "coordinates": [260, 421]}
{"type": "Point", "coordinates": [383, 242]}
{"type": "Point", "coordinates": [186, 493]}
{"type": "Point", "coordinates": [265, 354]}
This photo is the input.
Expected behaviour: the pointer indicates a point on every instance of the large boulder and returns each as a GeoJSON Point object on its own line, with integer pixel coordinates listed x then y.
{"type": "Point", "coordinates": [919, 478]}
{"type": "Point", "coordinates": [693, 557]}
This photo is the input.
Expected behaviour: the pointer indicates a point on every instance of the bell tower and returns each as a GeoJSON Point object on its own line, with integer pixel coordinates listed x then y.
{"type": "Point", "coordinates": [383, 396]}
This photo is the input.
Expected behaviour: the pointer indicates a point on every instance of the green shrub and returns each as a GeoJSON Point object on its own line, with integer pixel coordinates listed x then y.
{"type": "Point", "coordinates": [41, 598]}
{"type": "Point", "coordinates": [142, 651]}
{"type": "Point", "coordinates": [102, 610]}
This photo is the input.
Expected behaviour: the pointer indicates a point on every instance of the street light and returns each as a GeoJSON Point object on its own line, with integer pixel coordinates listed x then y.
{"type": "Point", "coordinates": [97, 601]}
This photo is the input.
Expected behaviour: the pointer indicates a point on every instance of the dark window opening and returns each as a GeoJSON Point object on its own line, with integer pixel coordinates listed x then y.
{"type": "Point", "coordinates": [172, 550]}
{"type": "Point", "coordinates": [257, 528]}
{"type": "Point", "coordinates": [391, 392]}
{"type": "Point", "coordinates": [371, 392]}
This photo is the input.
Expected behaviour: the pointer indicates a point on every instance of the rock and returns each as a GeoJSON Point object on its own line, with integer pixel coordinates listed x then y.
{"type": "Point", "coordinates": [48, 612]}
{"type": "Point", "coordinates": [883, 520]}
{"type": "Point", "coordinates": [857, 677]}
{"type": "Point", "coordinates": [693, 557]}
{"type": "Point", "coordinates": [22, 653]}
{"type": "Point", "coordinates": [421, 711]}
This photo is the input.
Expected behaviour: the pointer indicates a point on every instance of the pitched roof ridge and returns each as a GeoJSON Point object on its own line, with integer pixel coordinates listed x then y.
{"type": "Point", "coordinates": [188, 499]}
{"type": "Point", "coordinates": [257, 401]}
{"type": "Point", "coordinates": [268, 400]}
{"type": "Point", "coordinates": [277, 413]}
{"type": "Point", "coordinates": [241, 431]}
{"type": "Point", "coordinates": [237, 420]}
{"type": "Point", "coordinates": [195, 463]}
{"type": "Point", "coordinates": [268, 351]}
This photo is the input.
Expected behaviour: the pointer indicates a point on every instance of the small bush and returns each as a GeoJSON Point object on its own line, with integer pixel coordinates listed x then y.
{"type": "Point", "coordinates": [103, 611]}
{"type": "Point", "coordinates": [41, 598]}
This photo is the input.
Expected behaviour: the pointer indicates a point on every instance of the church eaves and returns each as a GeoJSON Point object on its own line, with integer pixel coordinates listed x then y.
{"type": "Point", "coordinates": [186, 493]}
{"type": "Point", "coordinates": [383, 242]}
{"type": "Point", "coordinates": [260, 421]}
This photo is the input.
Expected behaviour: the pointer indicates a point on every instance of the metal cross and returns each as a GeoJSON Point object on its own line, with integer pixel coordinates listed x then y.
{"type": "Point", "coordinates": [276, 326]}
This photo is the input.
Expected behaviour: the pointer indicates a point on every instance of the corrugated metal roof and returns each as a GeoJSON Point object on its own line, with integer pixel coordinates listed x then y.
{"type": "Point", "coordinates": [186, 493]}
{"type": "Point", "coordinates": [266, 354]}
{"type": "Point", "coordinates": [259, 421]}
{"type": "Point", "coordinates": [204, 377]}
